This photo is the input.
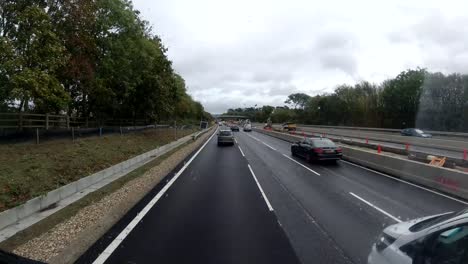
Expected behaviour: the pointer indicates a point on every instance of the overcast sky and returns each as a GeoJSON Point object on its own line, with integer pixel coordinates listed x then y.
{"type": "Point", "coordinates": [245, 52]}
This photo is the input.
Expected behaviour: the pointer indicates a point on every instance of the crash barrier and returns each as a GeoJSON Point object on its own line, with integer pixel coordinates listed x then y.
{"type": "Point", "coordinates": [443, 179]}
{"type": "Point", "coordinates": [395, 131]}
{"type": "Point", "coordinates": [450, 162]}
{"type": "Point", "coordinates": [44, 202]}
{"type": "Point", "coordinates": [383, 130]}
{"type": "Point", "coordinates": [434, 143]}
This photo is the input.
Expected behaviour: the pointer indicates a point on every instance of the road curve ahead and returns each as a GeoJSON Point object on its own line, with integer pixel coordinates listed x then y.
{"type": "Point", "coordinates": [213, 213]}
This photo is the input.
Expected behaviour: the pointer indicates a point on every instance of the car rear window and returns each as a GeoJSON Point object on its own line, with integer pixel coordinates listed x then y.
{"type": "Point", "coordinates": [323, 143]}
{"type": "Point", "coordinates": [225, 133]}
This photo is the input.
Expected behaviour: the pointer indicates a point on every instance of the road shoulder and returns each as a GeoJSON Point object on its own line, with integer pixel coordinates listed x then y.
{"type": "Point", "coordinates": [72, 230]}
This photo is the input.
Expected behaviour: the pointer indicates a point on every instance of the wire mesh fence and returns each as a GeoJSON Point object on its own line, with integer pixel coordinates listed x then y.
{"type": "Point", "coordinates": [16, 128]}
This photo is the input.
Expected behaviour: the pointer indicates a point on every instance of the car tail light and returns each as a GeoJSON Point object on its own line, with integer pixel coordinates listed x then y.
{"type": "Point", "coordinates": [339, 150]}
{"type": "Point", "coordinates": [318, 150]}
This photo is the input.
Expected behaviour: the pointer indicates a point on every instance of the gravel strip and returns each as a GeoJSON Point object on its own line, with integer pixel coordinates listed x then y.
{"type": "Point", "coordinates": [65, 242]}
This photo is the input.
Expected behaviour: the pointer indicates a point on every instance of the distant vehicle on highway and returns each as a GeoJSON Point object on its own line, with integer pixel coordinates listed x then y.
{"type": "Point", "coordinates": [289, 126]}
{"type": "Point", "coordinates": [225, 137]}
{"type": "Point", "coordinates": [414, 132]}
{"type": "Point", "coordinates": [248, 127]}
{"type": "Point", "coordinates": [316, 149]}
{"type": "Point", "coordinates": [439, 238]}
{"type": "Point", "coordinates": [235, 128]}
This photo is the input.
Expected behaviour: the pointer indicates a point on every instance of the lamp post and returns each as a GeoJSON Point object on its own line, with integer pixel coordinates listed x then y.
{"type": "Point", "coordinates": [318, 108]}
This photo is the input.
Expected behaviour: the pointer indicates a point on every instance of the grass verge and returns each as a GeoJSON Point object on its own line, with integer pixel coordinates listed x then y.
{"type": "Point", "coordinates": [67, 212]}
{"type": "Point", "coordinates": [29, 170]}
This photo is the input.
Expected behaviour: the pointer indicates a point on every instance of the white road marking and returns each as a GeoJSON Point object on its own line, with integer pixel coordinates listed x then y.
{"type": "Point", "coordinates": [116, 242]}
{"type": "Point", "coordinates": [376, 208]}
{"type": "Point", "coordinates": [409, 183]}
{"type": "Point", "coordinates": [261, 190]}
{"type": "Point", "coordinates": [269, 146]}
{"type": "Point", "coordinates": [301, 164]}
{"type": "Point", "coordinates": [235, 140]}
{"type": "Point", "coordinates": [262, 142]}
{"type": "Point", "coordinates": [254, 138]}
{"type": "Point", "coordinates": [242, 152]}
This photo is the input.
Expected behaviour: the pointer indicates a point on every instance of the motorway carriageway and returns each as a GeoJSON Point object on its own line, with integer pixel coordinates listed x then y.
{"type": "Point", "coordinates": [255, 203]}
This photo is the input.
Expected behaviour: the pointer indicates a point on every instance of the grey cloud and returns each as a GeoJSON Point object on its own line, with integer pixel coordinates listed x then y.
{"type": "Point", "coordinates": [440, 39]}
{"type": "Point", "coordinates": [345, 62]}
{"type": "Point", "coordinates": [441, 30]}
{"type": "Point", "coordinates": [336, 51]}
{"type": "Point", "coordinates": [302, 46]}
{"type": "Point", "coordinates": [335, 41]}
{"type": "Point", "coordinates": [282, 89]}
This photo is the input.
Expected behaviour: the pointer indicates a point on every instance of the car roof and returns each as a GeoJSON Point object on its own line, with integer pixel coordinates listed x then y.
{"type": "Point", "coordinates": [460, 218]}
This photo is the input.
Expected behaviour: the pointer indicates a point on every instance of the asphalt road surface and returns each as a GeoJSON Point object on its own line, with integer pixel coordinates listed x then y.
{"type": "Point", "coordinates": [215, 212]}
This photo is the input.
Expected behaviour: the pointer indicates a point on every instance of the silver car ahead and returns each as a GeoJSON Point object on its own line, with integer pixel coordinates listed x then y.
{"type": "Point", "coordinates": [225, 137]}
{"type": "Point", "coordinates": [441, 239]}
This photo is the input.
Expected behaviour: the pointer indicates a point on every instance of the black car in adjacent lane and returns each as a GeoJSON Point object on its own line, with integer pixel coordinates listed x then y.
{"type": "Point", "coordinates": [316, 149]}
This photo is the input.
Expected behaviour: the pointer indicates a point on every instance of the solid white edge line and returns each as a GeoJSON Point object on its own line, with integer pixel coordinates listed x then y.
{"type": "Point", "coordinates": [235, 140]}
{"type": "Point", "coordinates": [242, 152]}
{"type": "Point", "coordinates": [318, 174]}
{"type": "Point", "coordinates": [261, 190]}
{"type": "Point", "coordinates": [376, 208]}
{"type": "Point", "coordinates": [116, 242]}
{"type": "Point", "coordinates": [409, 183]}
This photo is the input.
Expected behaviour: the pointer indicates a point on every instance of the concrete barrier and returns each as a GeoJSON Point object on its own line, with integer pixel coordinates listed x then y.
{"type": "Point", "coordinates": [13, 215]}
{"type": "Point", "coordinates": [435, 143]}
{"type": "Point", "coordinates": [443, 179]}
{"type": "Point", "coordinates": [453, 145]}
{"type": "Point", "coordinates": [383, 130]}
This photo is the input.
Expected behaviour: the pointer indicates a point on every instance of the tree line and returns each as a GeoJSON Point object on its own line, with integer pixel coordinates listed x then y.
{"type": "Point", "coordinates": [414, 98]}
{"type": "Point", "coordinates": [94, 59]}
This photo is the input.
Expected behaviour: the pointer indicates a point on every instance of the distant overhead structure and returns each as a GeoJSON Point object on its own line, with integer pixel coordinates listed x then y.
{"type": "Point", "coordinates": [230, 117]}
